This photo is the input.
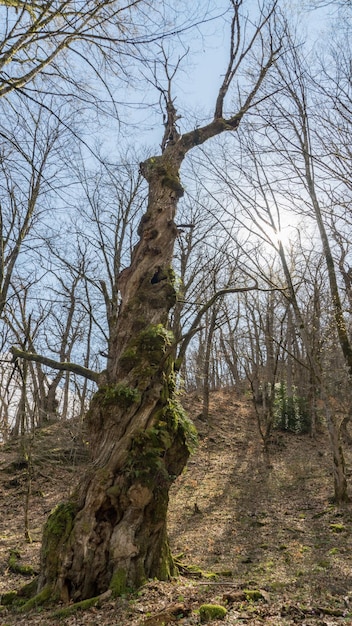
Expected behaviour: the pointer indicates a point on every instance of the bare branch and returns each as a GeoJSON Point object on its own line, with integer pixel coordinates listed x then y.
{"type": "Point", "coordinates": [66, 367]}
{"type": "Point", "coordinates": [192, 331]}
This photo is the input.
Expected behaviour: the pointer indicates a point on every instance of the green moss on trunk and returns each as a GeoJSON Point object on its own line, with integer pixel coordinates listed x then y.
{"type": "Point", "coordinates": [43, 597]}
{"type": "Point", "coordinates": [55, 535]}
{"type": "Point", "coordinates": [152, 457]}
{"type": "Point", "coordinates": [118, 583]}
{"type": "Point", "coordinates": [120, 394]}
{"type": "Point", "coordinates": [146, 351]}
{"type": "Point", "coordinates": [135, 489]}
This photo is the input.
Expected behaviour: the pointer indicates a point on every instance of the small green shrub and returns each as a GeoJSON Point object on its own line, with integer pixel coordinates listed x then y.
{"type": "Point", "coordinates": [209, 612]}
{"type": "Point", "coordinates": [291, 413]}
{"type": "Point", "coordinates": [9, 598]}
{"type": "Point", "coordinates": [18, 568]}
{"type": "Point", "coordinates": [252, 595]}
{"type": "Point", "coordinates": [337, 528]}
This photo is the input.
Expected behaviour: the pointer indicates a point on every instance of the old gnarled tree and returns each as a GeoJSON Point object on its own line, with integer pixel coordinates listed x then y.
{"type": "Point", "coordinates": [112, 533]}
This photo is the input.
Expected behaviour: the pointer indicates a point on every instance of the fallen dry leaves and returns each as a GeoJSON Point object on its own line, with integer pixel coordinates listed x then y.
{"type": "Point", "coordinates": [271, 530]}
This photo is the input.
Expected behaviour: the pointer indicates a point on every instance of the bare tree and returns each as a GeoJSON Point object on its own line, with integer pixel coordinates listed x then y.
{"type": "Point", "coordinates": [34, 36]}
{"type": "Point", "coordinates": [27, 170]}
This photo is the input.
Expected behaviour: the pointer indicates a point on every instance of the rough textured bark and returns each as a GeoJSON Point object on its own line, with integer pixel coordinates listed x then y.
{"type": "Point", "coordinates": [113, 533]}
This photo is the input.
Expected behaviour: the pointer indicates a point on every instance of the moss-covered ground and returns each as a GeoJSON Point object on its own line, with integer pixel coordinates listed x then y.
{"type": "Point", "coordinates": [263, 540]}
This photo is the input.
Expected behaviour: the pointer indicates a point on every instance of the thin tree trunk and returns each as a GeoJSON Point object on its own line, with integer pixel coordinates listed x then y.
{"type": "Point", "coordinates": [296, 89]}
{"type": "Point", "coordinates": [206, 367]}
{"type": "Point", "coordinates": [340, 482]}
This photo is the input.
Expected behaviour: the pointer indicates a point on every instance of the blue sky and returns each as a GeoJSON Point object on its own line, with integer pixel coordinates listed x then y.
{"type": "Point", "coordinates": [198, 80]}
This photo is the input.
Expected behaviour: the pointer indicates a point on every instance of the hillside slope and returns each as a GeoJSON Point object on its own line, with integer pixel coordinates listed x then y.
{"type": "Point", "coordinates": [266, 541]}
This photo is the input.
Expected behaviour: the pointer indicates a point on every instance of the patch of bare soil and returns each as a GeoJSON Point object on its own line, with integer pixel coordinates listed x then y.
{"type": "Point", "coordinates": [263, 540]}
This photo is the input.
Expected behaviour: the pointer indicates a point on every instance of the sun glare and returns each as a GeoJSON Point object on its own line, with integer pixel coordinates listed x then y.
{"type": "Point", "coordinates": [285, 236]}
{"type": "Point", "coordinates": [291, 228]}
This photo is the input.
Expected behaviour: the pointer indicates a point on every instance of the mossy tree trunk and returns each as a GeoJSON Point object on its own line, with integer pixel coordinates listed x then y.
{"type": "Point", "coordinates": [115, 529]}
{"type": "Point", "coordinates": [113, 532]}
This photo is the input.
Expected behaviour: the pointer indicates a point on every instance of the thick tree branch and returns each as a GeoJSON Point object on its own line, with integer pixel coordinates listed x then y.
{"type": "Point", "coordinates": [219, 125]}
{"type": "Point", "coordinates": [239, 51]}
{"type": "Point", "coordinates": [63, 366]}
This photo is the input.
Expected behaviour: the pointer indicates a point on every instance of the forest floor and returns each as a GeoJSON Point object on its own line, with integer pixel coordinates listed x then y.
{"type": "Point", "coordinates": [264, 539]}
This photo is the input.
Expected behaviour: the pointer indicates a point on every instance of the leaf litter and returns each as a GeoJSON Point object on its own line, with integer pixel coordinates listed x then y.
{"type": "Point", "coordinates": [258, 538]}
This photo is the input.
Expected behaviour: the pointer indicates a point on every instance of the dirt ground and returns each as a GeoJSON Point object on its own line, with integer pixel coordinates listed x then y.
{"type": "Point", "coordinates": [262, 540]}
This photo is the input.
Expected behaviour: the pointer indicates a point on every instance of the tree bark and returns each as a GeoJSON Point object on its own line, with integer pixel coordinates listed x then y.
{"type": "Point", "coordinates": [112, 534]}
{"type": "Point", "coordinates": [206, 368]}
